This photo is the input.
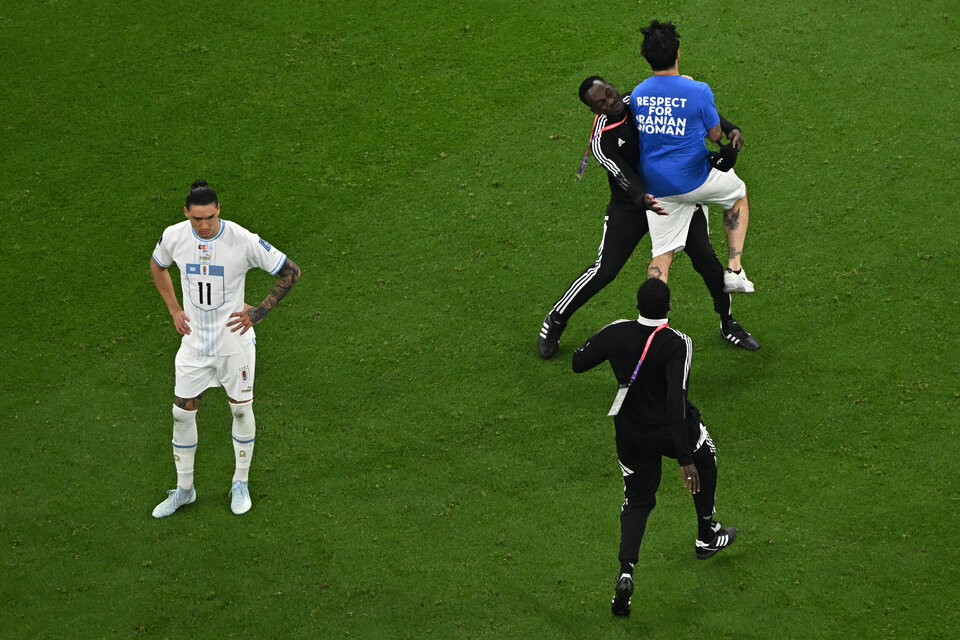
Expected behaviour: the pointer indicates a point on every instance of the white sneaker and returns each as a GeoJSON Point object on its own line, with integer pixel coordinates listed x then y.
{"type": "Point", "coordinates": [736, 282]}
{"type": "Point", "coordinates": [240, 501]}
{"type": "Point", "coordinates": [176, 498]}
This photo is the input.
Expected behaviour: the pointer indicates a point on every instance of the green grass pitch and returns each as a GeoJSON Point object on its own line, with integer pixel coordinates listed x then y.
{"type": "Point", "coordinates": [419, 471]}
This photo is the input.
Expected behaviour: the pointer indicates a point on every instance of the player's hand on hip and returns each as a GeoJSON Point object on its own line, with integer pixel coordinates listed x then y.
{"type": "Point", "coordinates": [181, 322]}
{"type": "Point", "coordinates": [242, 320]}
{"type": "Point", "coordinates": [691, 479]}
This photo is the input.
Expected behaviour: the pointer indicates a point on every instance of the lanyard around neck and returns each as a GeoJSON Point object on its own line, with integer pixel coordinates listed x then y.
{"type": "Point", "coordinates": [625, 387]}
{"type": "Point", "coordinates": [645, 349]}
{"type": "Point", "coordinates": [583, 165]}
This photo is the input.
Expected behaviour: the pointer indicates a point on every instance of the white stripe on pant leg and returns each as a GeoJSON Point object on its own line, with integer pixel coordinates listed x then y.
{"type": "Point", "coordinates": [576, 287]}
{"type": "Point", "coordinates": [585, 277]}
{"type": "Point", "coordinates": [627, 471]}
{"type": "Point", "coordinates": [705, 438]}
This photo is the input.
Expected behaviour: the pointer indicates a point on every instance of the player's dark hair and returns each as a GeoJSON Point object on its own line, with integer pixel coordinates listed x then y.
{"type": "Point", "coordinates": [661, 42]}
{"type": "Point", "coordinates": [653, 299]}
{"type": "Point", "coordinates": [585, 86]}
{"type": "Point", "coordinates": [201, 194]}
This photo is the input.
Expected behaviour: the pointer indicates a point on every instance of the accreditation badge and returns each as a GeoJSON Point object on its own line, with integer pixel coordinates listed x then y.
{"type": "Point", "coordinates": [618, 401]}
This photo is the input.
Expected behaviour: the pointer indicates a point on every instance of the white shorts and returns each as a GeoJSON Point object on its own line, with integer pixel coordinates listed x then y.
{"type": "Point", "coordinates": [235, 373]}
{"type": "Point", "coordinates": [669, 233]}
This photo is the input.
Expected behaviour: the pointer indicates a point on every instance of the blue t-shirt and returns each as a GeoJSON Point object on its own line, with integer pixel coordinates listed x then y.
{"type": "Point", "coordinates": [673, 115]}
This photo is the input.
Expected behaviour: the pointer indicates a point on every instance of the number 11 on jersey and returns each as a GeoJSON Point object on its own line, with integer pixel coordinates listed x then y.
{"type": "Point", "coordinates": [206, 285]}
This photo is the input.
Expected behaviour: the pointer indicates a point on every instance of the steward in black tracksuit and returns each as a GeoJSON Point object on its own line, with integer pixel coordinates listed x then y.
{"type": "Point", "coordinates": [655, 420]}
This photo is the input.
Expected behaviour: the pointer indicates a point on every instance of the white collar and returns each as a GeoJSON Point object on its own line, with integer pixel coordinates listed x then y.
{"type": "Point", "coordinates": [651, 323]}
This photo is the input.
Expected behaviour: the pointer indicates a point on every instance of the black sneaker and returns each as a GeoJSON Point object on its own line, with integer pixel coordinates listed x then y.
{"type": "Point", "coordinates": [621, 597]}
{"type": "Point", "coordinates": [724, 538]}
{"type": "Point", "coordinates": [549, 341]}
{"type": "Point", "coordinates": [735, 334]}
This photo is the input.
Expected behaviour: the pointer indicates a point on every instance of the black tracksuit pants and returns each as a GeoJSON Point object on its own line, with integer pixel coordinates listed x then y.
{"type": "Point", "coordinates": [641, 462]}
{"type": "Point", "coordinates": [623, 227]}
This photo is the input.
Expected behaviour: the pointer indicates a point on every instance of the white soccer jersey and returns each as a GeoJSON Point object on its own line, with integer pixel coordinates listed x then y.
{"type": "Point", "coordinates": [212, 275]}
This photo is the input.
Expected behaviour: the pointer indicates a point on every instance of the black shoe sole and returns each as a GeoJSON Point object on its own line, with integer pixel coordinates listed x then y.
{"type": "Point", "coordinates": [547, 350]}
{"type": "Point", "coordinates": [621, 600]}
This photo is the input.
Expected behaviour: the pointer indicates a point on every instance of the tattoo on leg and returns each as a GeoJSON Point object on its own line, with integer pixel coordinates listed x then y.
{"type": "Point", "coordinates": [654, 272]}
{"type": "Point", "coordinates": [732, 253]}
{"type": "Point", "coordinates": [731, 218]}
{"type": "Point", "coordinates": [188, 404]}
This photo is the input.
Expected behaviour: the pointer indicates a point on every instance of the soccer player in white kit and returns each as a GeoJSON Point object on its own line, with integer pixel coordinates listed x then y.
{"type": "Point", "coordinates": [218, 348]}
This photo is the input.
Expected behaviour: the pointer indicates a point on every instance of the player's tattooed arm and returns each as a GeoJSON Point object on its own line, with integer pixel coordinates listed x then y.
{"type": "Point", "coordinates": [287, 277]}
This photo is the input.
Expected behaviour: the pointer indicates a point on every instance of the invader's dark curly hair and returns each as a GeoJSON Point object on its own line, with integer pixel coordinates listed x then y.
{"type": "Point", "coordinates": [661, 42]}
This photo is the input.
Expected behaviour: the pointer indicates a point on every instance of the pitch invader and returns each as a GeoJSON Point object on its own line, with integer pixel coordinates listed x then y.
{"type": "Point", "coordinates": [218, 348]}
{"type": "Point", "coordinates": [629, 215]}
